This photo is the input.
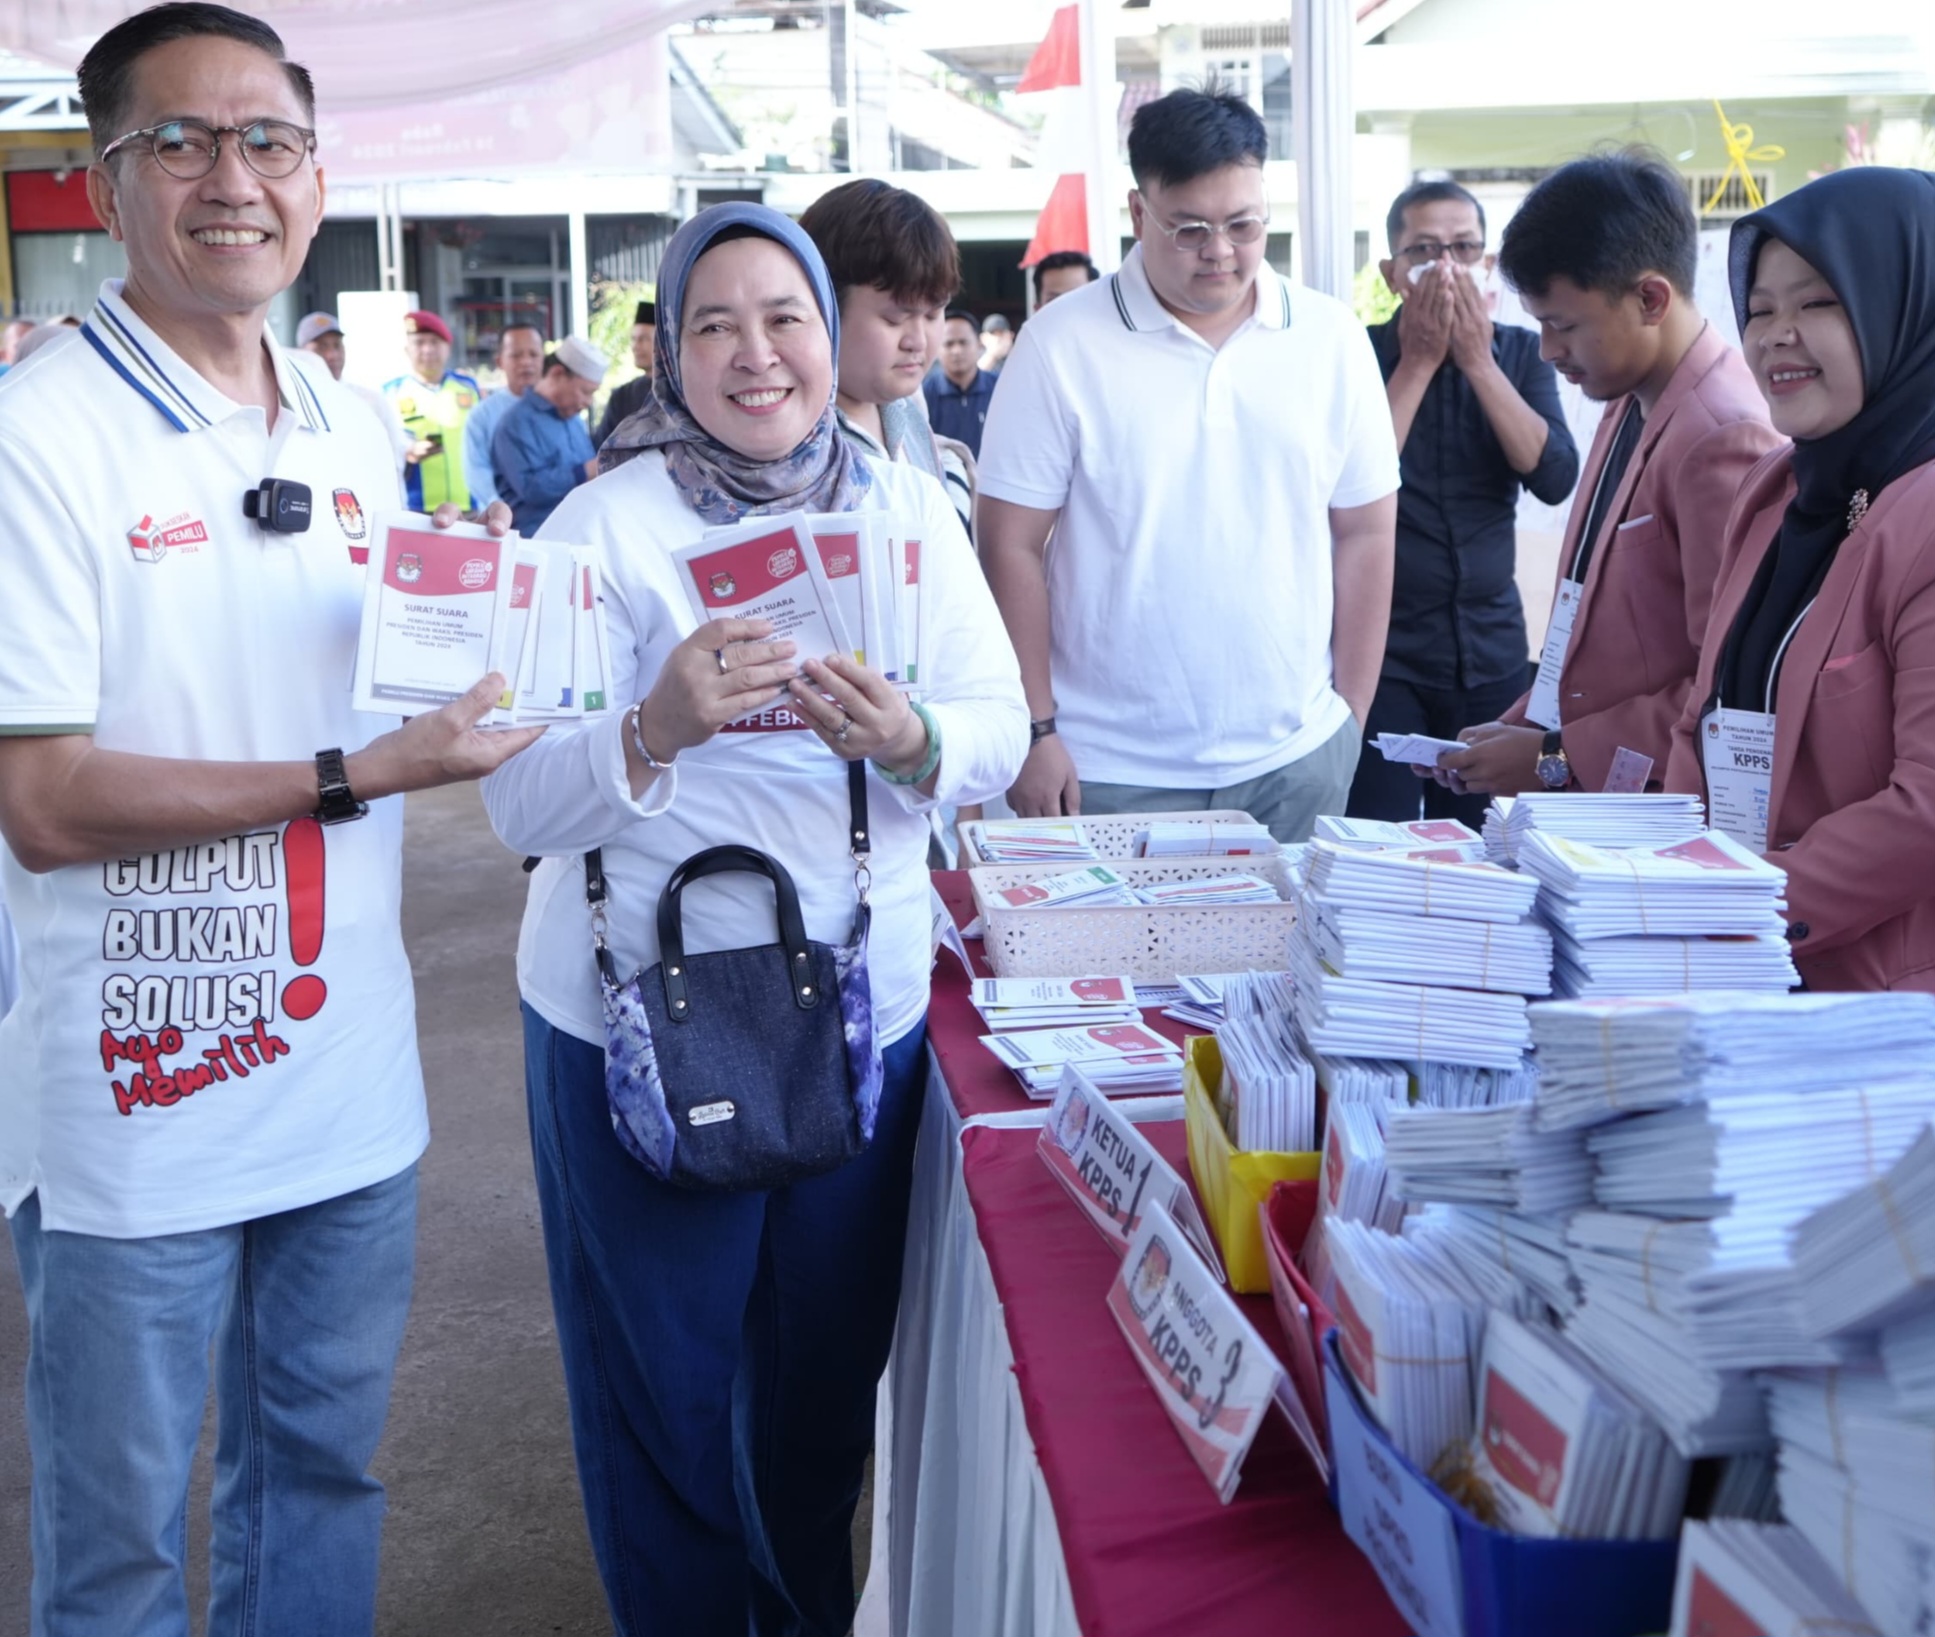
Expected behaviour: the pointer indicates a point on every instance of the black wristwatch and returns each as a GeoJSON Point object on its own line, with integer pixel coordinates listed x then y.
{"type": "Point", "coordinates": [338, 804]}
{"type": "Point", "coordinates": [1038, 731]}
{"type": "Point", "coordinates": [1554, 770]}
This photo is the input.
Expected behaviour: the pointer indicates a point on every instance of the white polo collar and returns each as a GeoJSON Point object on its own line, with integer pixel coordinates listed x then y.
{"type": "Point", "coordinates": [1137, 307]}
{"type": "Point", "coordinates": [151, 368]}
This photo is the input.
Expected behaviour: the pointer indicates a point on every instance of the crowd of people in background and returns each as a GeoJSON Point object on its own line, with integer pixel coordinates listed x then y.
{"type": "Point", "coordinates": [1189, 536]}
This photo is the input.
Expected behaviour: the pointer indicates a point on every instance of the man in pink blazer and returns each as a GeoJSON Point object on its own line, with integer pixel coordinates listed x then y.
{"type": "Point", "coordinates": [1602, 253]}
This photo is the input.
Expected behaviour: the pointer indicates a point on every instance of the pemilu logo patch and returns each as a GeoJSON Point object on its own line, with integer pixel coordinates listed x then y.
{"type": "Point", "coordinates": [711, 1113]}
{"type": "Point", "coordinates": [152, 541]}
{"type": "Point", "coordinates": [349, 514]}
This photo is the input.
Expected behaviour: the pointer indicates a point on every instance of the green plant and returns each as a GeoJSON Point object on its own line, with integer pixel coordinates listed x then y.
{"type": "Point", "coordinates": [1370, 296]}
{"type": "Point", "coordinates": [612, 305]}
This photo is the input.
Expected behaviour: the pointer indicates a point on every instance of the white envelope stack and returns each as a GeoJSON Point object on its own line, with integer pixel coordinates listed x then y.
{"type": "Point", "coordinates": [1466, 1085]}
{"type": "Point", "coordinates": [1117, 1057]}
{"type": "Point", "coordinates": [1531, 1250]}
{"type": "Point", "coordinates": [1867, 1259]}
{"type": "Point", "coordinates": [1090, 887]}
{"type": "Point", "coordinates": [1053, 1003]}
{"type": "Point", "coordinates": [1700, 886]}
{"type": "Point", "coordinates": [1442, 1232]}
{"type": "Point", "coordinates": [1268, 1095]}
{"type": "Point", "coordinates": [1907, 1349]}
{"type": "Point", "coordinates": [1759, 1577]}
{"type": "Point", "coordinates": [1031, 841]}
{"type": "Point", "coordinates": [1857, 1479]}
{"type": "Point", "coordinates": [1598, 820]}
{"type": "Point", "coordinates": [1409, 1327]}
{"type": "Point", "coordinates": [1563, 1449]}
{"type": "Point", "coordinates": [1402, 957]}
{"type": "Point", "coordinates": [1440, 839]}
{"type": "Point", "coordinates": [1486, 1156]}
{"type": "Point", "coordinates": [1172, 838]}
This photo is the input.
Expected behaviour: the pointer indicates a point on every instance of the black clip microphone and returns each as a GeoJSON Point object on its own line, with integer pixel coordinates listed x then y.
{"type": "Point", "coordinates": [278, 505]}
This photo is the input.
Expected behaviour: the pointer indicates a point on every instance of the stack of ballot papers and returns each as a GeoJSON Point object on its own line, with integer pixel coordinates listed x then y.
{"type": "Point", "coordinates": [1030, 841]}
{"type": "Point", "coordinates": [1127, 1058]}
{"type": "Point", "coordinates": [1907, 1349]}
{"type": "Point", "coordinates": [1485, 1156]}
{"type": "Point", "coordinates": [1857, 1478]}
{"type": "Point", "coordinates": [1524, 1256]}
{"type": "Point", "coordinates": [1268, 1094]}
{"type": "Point", "coordinates": [1562, 1449]}
{"type": "Point", "coordinates": [1352, 1017]}
{"type": "Point", "coordinates": [1090, 888]}
{"type": "Point", "coordinates": [1051, 1003]}
{"type": "Point", "coordinates": [1591, 968]}
{"type": "Point", "coordinates": [1736, 1576]}
{"type": "Point", "coordinates": [1464, 1085]}
{"type": "Point", "coordinates": [1601, 1059]}
{"type": "Point", "coordinates": [1509, 957]}
{"type": "Point", "coordinates": [1393, 883]}
{"type": "Point", "coordinates": [1868, 1258]}
{"type": "Point", "coordinates": [1696, 887]}
{"type": "Point", "coordinates": [1635, 1317]}
{"type": "Point", "coordinates": [444, 607]}
{"type": "Point", "coordinates": [1198, 1000]}
{"type": "Point", "coordinates": [1353, 1175]}
{"type": "Point", "coordinates": [1377, 1082]}
{"type": "Point", "coordinates": [1220, 838]}
{"type": "Point", "coordinates": [1634, 820]}
{"type": "Point", "coordinates": [846, 582]}
{"type": "Point", "coordinates": [1409, 1328]}
{"type": "Point", "coordinates": [1435, 837]}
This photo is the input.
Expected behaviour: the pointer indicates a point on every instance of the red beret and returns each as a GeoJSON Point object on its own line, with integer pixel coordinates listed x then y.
{"type": "Point", "coordinates": [419, 323]}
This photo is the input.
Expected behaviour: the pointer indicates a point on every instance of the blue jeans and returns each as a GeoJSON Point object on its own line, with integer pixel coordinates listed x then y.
{"type": "Point", "coordinates": [304, 1312]}
{"type": "Point", "coordinates": [721, 1352]}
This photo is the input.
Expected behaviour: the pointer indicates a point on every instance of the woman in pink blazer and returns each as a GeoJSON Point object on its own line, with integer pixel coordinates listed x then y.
{"type": "Point", "coordinates": [1825, 617]}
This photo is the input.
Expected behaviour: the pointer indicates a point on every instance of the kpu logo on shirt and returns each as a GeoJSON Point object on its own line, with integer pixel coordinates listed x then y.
{"type": "Point", "coordinates": [152, 541]}
{"type": "Point", "coordinates": [349, 514]}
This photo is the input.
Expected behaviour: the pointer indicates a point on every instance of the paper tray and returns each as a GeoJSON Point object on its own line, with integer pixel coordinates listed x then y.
{"type": "Point", "coordinates": [1233, 1184]}
{"type": "Point", "coordinates": [1154, 943]}
{"type": "Point", "coordinates": [1113, 836]}
{"type": "Point", "coordinates": [1287, 1217]}
{"type": "Point", "coordinates": [1501, 1585]}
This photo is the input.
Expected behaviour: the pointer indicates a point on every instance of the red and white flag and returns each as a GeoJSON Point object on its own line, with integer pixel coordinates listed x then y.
{"type": "Point", "coordinates": [1070, 142]}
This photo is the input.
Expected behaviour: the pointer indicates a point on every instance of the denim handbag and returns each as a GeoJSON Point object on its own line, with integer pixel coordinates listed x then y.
{"type": "Point", "coordinates": [743, 1069]}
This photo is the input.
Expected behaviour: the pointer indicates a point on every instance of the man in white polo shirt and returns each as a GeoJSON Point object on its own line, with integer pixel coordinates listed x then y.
{"type": "Point", "coordinates": [212, 1107]}
{"type": "Point", "coordinates": [1211, 448]}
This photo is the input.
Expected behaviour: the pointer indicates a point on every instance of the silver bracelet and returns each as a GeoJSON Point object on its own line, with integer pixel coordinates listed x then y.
{"type": "Point", "coordinates": [638, 741]}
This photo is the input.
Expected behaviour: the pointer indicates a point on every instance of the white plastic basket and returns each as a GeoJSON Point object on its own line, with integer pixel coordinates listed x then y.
{"type": "Point", "coordinates": [1149, 942]}
{"type": "Point", "coordinates": [1114, 835]}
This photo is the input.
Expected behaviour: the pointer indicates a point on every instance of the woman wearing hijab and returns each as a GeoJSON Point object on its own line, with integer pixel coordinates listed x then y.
{"type": "Point", "coordinates": [721, 1348]}
{"type": "Point", "coordinates": [1811, 727]}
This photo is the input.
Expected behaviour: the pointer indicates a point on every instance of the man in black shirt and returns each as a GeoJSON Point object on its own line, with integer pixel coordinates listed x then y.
{"type": "Point", "coordinates": [1477, 414]}
{"type": "Point", "coordinates": [628, 398]}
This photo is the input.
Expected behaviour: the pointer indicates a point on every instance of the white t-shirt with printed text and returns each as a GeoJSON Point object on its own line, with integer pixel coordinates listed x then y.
{"type": "Point", "coordinates": [1189, 576]}
{"type": "Point", "coordinates": [226, 1030]}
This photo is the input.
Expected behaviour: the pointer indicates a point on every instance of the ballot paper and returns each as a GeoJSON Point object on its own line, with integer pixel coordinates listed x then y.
{"type": "Point", "coordinates": [1409, 1338]}
{"type": "Point", "coordinates": [1465, 1085]}
{"type": "Point", "coordinates": [1126, 1057]}
{"type": "Point", "coordinates": [1857, 1478]}
{"type": "Point", "coordinates": [1373, 1081]}
{"type": "Point", "coordinates": [1752, 1578]}
{"type": "Point", "coordinates": [1416, 749]}
{"type": "Point", "coordinates": [1268, 1092]}
{"type": "Point", "coordinates": [1378, 835]}
{"type": "Point", "coordinates": [1595, 967]}
{"type": "Point", "coordinates": [1030, 841]}
{"type": "Point", "coordinates": [1698, 887]}
{"type": "Point", "coordinates": [1356, 1017]}
{"type": "Point", "coordinates": [433, 602]}
{"type": "Point", "coordinates": [1508, 957]}
{"type": "Point", "coordinates": [1220, 889]}
{"type": "Point", "coordinates": [1354, 1185]}
{"type": "Point", "coordinates": [1399, 883]}
{"type": "Point", "coordinates": [1599, 820]}
{"type": "Point", "coordinates": [1565, 1451]}
{"type": "Point", "coordinates": [1112, 1172]}
{"type": "Point", "coordinates": [1212, 1373]}
{"type": "Point", "coordinates": [1907, 1352]}
{"type": "Point", "coordinates": [767, 568]}
{"type": "Point", "coordinates": [1635, 1317]}
{"type": "Point", "coordinates": [841, 538]}
{"type": "Point", "coordinates": [1454, 1258]}
{"type": "Point", "coordinates": [1222, 838]}
{"type": "Point", "coordinates": [1485, 1156]}
{"type": "Point", "coordinates": [513, 644]}
{"type": "Point", "coordinates": [1867, 1258]}
{"type": "Point", "coordinates": [1041, 1003]}
{"type": "Point", "coordinates": [1602, 1058]}
{"type": "Point", "coordinates": [1529, 1251]}
{"type": "Point", "coordinates": [910, 606]}
{"type": "Point", "coordinates": [1088, 888]}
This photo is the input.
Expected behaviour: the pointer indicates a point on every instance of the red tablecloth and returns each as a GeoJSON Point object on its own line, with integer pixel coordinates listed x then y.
{"type": "Point", "coordinates": [1150, 1552]}
{"type": "Point", "coordinates": [979, 1083]}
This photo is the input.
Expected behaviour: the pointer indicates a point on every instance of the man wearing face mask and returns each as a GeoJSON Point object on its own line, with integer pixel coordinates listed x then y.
{"type": "Point", "coordinates": [1476, 412]}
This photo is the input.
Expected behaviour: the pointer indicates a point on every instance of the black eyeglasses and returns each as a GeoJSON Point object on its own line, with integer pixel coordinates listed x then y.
{"type": "Point", "coordinates": [1465, 251]}
{"type": "Point", "coordinates": [188, 149]}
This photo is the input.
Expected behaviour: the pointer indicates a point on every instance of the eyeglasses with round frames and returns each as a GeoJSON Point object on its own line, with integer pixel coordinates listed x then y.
{"type": "Point", "coordinates": [188, 149]}
{"type": "Point", "coordinates": [1463, 251]}
{"type": "Point", "coordinates": [1243, 230]}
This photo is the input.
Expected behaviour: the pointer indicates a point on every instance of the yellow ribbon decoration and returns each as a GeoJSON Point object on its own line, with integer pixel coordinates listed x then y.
{"type": "Point", "coordinates": [1740, 154]}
